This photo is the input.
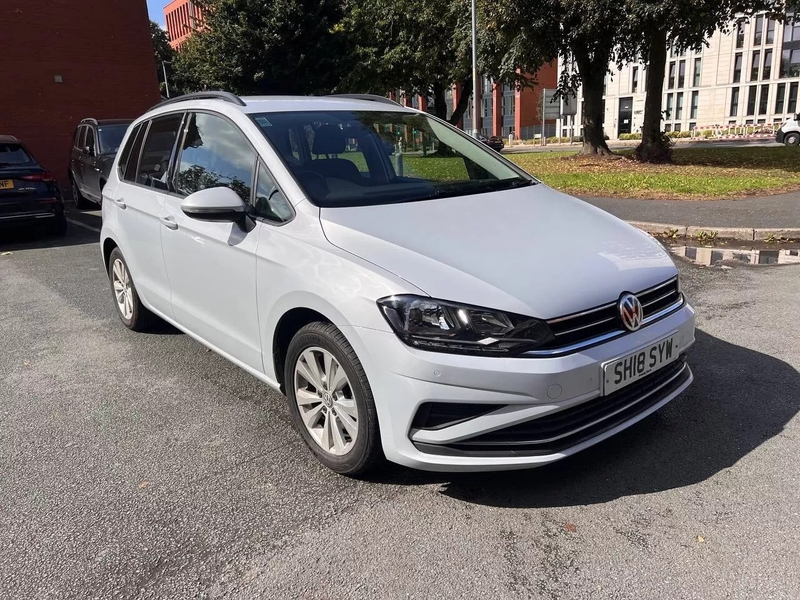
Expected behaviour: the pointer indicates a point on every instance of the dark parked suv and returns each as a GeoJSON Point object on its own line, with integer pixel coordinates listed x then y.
{"type": "Point", "coordinates": [94, 146]}
{"type": "Point", "coordinates": [29, 194]}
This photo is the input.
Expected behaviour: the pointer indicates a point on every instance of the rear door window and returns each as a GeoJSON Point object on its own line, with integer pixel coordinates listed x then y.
{"type": "Point", "coordinates": [157, 151]}
{"type": "Point", "coordinates": [127, 151]}
{"type": "Point", "coordinates": [82, 138]}
{"type": "Point", "coordinates": [215, 153]}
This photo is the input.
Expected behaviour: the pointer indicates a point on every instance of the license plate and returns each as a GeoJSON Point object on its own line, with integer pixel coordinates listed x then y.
{"type": "Point", "coordinates": [624, 371]}
{"type": "Point", "coordinates": [6, 184]}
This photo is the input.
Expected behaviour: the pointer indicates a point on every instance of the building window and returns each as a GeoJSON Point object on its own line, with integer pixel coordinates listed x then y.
{"type": "Point", "coordinates": [681, 74]}
{"type": "Point", "coordinates": [767, 70]}
{"type": "Point", "coordinates": [759, 30]}
{"type": "Point", "coordinates": [780, 95]}
{"type": "Point", "coordinates": [634, 80]}
{"type": "Point", "coordinates": [679, 106]}
{"type": "Point", "coordinates": [734, 102]}
{"type": "Point", "coordinates": [692, 126]}
{"type": "Point", "coordinates": [740, 35]}
{"type": "Point", "coordinates": [668, 127]}
{"type": "Point", "coordinates": [486, 105]}
{"type": "Point", "coordinates": [696, 73]}
{"type": "Point", "coordinates": [792, 107]}
{"type": "Point", "coordinates": [671, 79]}
{"type": "Point", "coordinates": [763, 100]}
{"type": "Point", "coordinates": [693, 108]}
{"type": "Point", "coordinates": [770, 31]}
{"type": "Point", "coordinates": [790, 63]}
{"type": "Point", "coordinates": [791, 31]}
{"type": "Point", "coordinates": [509, 105]}
{"type": "Point", "coordinates": [751, 100]}
{"type": "Point", "coordinates": [668, 111]}
{"type": "Point", "coordinates": [677, 126]}
{"type": "Point", "coordinates": [737, 68]}
{"type": "Point", "coordinates": [755, 63]}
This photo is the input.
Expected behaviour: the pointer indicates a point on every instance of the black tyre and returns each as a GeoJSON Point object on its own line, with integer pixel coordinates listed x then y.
{"type": "Point", "coordinates": [80, 201]}
{"type": "Point", "coordinates": [130, 309]}
{"type": "Point", "coordinates": [792, 139]}
{"type": "Point", "coordinates": [330, 400]}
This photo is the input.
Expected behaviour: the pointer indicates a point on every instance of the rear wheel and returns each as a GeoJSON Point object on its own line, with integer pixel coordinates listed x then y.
{"type": "Point", "coordinates": [130, 309]}
{"type": "Point", "coordinates": [792, 139]}
{"type": "Point", "coordinates": [330, 400]}
{"type": "Point", "coordinates": [80, 201]}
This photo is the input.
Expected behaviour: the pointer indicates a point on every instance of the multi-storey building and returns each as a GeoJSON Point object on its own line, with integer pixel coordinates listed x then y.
{"type": "Point", "coordinates": [182, 17]}
{"type": "Point", "coordinates": [748, 76]}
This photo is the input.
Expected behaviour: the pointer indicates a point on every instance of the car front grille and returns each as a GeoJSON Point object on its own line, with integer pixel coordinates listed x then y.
{"type": "Point", "coordinates": [566, 428]}
{"type": "Point", "coordinates": [601, 324]}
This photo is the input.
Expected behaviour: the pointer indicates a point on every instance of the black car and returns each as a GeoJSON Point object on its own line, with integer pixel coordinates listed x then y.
{"type": "Point", "coordinates": [94, 146]}
{"type": "Point", "coordinates": [29, 194]}
{"type": "Point", "coordinates": [494, 142]}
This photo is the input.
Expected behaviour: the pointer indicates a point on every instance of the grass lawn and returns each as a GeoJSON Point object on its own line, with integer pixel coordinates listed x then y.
{"type": "Point", "coordinates": [698, 173]}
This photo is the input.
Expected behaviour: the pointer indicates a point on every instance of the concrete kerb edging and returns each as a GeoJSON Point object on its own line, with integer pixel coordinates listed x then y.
{"type": "Point", "coordinates": [730, 233]}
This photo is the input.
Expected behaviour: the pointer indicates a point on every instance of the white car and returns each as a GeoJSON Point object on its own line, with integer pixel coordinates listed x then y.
{"type": "Point", "coordinates": [789, 132]}
{"type": "Point", "coordinates": [414, 294]}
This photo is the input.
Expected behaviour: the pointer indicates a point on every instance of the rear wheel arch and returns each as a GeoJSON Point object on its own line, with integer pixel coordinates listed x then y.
{"type": "Point", "coordinates": [108, 247]}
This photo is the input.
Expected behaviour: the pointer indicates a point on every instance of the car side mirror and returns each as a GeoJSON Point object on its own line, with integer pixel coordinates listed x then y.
{"type": "Point", "coordinates": [219, 204]}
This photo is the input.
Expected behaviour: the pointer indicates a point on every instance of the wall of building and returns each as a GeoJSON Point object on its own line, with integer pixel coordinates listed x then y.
{"type": "Point", "coordinates": [181, 17]}
{"type": "Point", "coordinates": [717, 86]}
{"type": "Point", "coordinates": [65, 60]}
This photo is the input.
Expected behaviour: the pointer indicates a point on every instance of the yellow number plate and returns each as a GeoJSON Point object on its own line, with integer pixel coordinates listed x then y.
{"type": "Point", "coordinates": [6, 184]}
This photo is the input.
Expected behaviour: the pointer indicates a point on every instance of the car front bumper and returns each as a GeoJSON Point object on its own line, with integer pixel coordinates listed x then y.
{"type": "Point", "coordinates": [779, 135]}
{"type": "Point", "coordinates": [516, 394]}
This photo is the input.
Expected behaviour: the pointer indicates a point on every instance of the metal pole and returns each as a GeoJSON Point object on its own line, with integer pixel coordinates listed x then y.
{"type": "Point", "coordinates": [166, 84]}
{"type": "Point", "coordinates": [544, 96]}
{"type": "Point", "coordinates": [475, 98]}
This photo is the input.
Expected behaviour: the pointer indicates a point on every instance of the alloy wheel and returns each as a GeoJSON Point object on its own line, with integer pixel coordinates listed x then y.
{"type": "Point", "coordinates": [121, 281]}
{"type": "Point", "coordinates": [326, 402]}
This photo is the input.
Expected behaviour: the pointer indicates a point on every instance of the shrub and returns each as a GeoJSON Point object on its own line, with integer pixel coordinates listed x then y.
{"type": "Point", "coordinates": [630, 136]}
{"type": "Point", "coordinates": [707, 133]}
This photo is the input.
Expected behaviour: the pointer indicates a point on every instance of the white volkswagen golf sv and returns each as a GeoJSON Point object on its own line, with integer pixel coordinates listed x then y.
{"type": "Point", "coordinates": [413, 293]}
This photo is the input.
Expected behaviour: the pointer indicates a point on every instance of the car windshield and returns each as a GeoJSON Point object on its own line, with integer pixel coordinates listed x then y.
{"type": "Point", "coordinates": [111, 138]}
{"type": "Point", "coordinates": [360, 158]}
{"type": "Point", "coordinates": [14, 154]}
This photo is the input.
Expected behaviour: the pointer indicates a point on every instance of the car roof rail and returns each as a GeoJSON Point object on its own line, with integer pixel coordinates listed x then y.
{"type": "Point", "coordinates": [89, 120]}
{"type": "Point", "coordinates": [211, 95]}
{"type": "Point", "coordinates": [370, 97]}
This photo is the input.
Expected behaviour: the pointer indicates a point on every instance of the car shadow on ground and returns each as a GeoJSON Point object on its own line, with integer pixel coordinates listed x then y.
{"type": "Point", "coordinates": [740, 399]}
{"type": "Point", "coordinates": [40, 237]}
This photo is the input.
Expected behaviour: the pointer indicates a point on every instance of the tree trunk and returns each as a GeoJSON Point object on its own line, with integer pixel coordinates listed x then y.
{"type": "Point", "coordinates": [463, 101]}
{"type": "Point", "coordinates": [655, 146]}
{"type": "Point", "coordinates": [592, 78]}
{"type": "Point", "coordinates": [439, 101]}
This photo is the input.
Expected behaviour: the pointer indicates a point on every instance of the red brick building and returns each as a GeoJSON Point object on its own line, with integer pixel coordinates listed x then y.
{"type": "Point", "coordinates": [65, 60]}
{"type": "Point", "coordinates": [503, 109]}
{"type": "Point", "coordinates": [182, 18]}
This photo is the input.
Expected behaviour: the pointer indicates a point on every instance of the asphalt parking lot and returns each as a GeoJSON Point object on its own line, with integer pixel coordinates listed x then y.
{"type": "Point", "coordinates": [144, 466]}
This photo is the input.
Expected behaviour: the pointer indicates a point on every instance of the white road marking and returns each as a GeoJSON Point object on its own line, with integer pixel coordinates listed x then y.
{"type": "Point", "coordinates": [84, 225]}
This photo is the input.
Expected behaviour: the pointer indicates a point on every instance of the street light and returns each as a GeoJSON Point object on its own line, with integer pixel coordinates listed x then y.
{"type": "Point", "coordinates": [164, 69]}
{"type": "Point", "coordinates": [475, 68]}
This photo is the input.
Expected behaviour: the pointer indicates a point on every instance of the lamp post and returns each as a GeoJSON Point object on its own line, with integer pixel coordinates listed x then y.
{"type": "Point", "coordinates": [164, 69]}
{"type": "Point", "coordinates": [475, 68]}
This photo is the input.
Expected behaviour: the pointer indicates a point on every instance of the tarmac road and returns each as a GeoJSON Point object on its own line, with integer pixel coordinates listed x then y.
{"type": "Point", "coordinates": [144, 466]}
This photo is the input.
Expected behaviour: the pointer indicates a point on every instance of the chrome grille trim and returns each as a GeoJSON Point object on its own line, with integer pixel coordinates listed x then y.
{"type": "Point", "coordinates": [607, 320]}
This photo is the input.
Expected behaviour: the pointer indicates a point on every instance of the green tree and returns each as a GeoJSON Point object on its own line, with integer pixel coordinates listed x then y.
{"type": "Point", "coordinates": [652, 26]}
{"type": "Point", "coordinates": [161, 48]}
{"type": "Point", "coordinates": [583, 33]}
{"type": "Point", "coordinates": [424, 48]}
{"type": "Point", "coordinates": [253, 47]}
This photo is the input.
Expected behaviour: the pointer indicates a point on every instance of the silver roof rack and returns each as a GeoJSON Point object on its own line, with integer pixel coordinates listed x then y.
{"type": "Point", "coordinates": [212, 95]}
{"type": "Point", "coordinates": [370, 97]}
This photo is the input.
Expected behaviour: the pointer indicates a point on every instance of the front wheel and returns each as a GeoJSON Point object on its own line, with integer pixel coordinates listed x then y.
{"type": "Point", "coordinates": [792, 139]}
{"type": "Point", "coordinates": [80, 200]}
{"type": "Point", "coordinates": [330, 400]}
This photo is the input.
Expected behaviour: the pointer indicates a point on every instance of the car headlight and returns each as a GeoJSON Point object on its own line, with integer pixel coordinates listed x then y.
{"type": "Point", "coordinates": [458, 328]}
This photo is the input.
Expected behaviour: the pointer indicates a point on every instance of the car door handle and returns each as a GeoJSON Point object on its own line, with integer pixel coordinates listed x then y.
{"type": "Point", "coordinates": [98, 169]}
{"type": "Point", "coordinates": [169, 222]}
{"type": "Point", "coordinates": [119, 202]}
